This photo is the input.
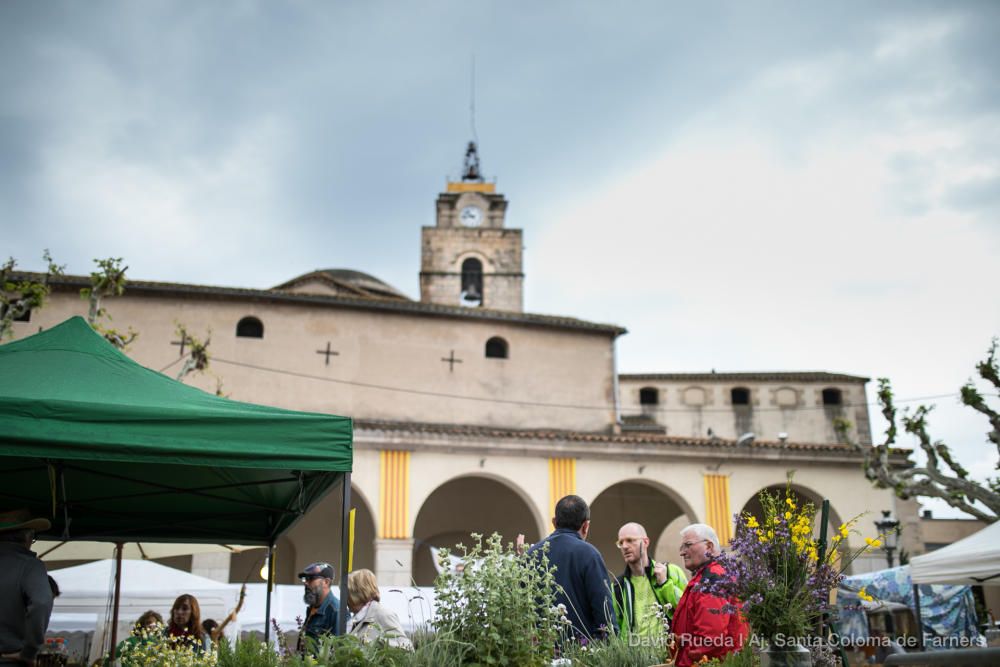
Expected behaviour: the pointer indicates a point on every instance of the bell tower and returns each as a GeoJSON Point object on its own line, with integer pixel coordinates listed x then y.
{"type": "Point", "coordinates": [469, 258]}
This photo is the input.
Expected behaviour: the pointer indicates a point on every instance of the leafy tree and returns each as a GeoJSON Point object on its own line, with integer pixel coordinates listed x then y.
{"type": "Point", "coordinates": [949, 481]}
{"type": "Point", "coordinates": [108, 280]}
{"type": "Point", "coordinates": [21, 294]}
{"type": "Point", "coordinates": [197, 358]}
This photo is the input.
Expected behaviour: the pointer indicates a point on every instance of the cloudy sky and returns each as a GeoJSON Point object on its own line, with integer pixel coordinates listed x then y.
{"type": "Point", "coordinates": [744, 186]}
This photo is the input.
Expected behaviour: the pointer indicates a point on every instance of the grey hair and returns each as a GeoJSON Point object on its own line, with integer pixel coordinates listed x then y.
{"type": "Point", "coordinates": [704, 532]}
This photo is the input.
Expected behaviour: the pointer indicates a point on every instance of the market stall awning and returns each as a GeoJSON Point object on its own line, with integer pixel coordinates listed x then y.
{"type": "Point", "coordinates": [112, 451]}
{"type": "Point", "coordinates": [974, 560]}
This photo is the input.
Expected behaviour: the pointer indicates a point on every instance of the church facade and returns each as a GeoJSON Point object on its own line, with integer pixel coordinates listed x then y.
{"type": "Point", "coordinates": [473, 416]}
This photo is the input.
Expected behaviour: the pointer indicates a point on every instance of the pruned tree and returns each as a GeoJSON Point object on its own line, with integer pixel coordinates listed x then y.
{"type": "Point", "coordinates": [108, 280]}
{"type": "Point", "coordinates": [20, 294]}
{"type": "Point", "coordinates": [197, 357]}
{"type": "Point", "coordinates": [941, 476]}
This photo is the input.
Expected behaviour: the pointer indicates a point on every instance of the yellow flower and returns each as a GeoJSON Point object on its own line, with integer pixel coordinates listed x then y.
{"type": "Point", "coordinates": [777, 520]}
{"type": "Point", "coordinates": [863, 594]}
{"type": "Point", "coordinates": [788, 516]}
{"type": "Point", "coordinates": [873, 543]}
{"type": "Point", "coordinates": [843, 530]}
{"type": "Point", "coordinates": [752, 522]}
{"type": "Point", "coordinates": [791, 503]}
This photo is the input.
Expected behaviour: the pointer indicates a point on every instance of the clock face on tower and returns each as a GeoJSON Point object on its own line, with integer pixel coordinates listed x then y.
{"type": "Point", "coordinates": [471, 216]}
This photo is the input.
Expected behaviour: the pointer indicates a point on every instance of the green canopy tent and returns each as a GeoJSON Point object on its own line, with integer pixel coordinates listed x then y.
{"type": "Point", "coordinates": [112, 451]}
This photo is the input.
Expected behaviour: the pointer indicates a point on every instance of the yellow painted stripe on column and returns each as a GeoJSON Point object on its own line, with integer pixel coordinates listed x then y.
{"type": "Point", "coordinates": [394, 494]}
{"type": "Point", "coordinates": [562, 480]}
{"type": "Point", "coordinates": [717, 513]}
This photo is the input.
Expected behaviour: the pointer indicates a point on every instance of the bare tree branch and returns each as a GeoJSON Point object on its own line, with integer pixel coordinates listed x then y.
{"type": "Point", "coordinates": [951, 484]}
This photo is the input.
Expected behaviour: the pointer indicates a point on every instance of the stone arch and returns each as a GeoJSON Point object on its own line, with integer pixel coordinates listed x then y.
{"type": "Point", "coordinates": [316, 537]}
{"type": "Point", "coordinates": [656, 506]}
{"type": "Point", "coordinates": [470, 503]}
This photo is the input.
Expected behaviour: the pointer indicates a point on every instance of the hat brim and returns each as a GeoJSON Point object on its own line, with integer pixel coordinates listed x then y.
{"type": "Point", "coordinates": [31, 524]}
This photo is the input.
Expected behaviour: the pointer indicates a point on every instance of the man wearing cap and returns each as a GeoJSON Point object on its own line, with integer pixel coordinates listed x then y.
{"type": "Point", "coordinates": [25, 594]}
{"type": "Point", "coordinates": [321, 613]}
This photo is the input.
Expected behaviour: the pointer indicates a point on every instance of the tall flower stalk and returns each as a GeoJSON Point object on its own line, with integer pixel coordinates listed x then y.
{"type": "Point", "coordinates": [774, 568]}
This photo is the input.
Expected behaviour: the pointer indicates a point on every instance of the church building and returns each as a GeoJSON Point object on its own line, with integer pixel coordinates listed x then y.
{"type": "Point", "coordinates": [474, 416]}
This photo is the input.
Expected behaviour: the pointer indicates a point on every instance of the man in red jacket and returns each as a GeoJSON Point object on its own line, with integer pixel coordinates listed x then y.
{"type": "Point", "coordinates": [701, 626]}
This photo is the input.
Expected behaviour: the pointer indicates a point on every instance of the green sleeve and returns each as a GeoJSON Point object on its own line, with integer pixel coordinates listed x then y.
{"type": "Point", "coordinates": [672, 589]}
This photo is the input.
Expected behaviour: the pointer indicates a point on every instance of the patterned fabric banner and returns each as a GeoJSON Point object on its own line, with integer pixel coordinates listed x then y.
{"type": "Point", "coordinates": [717, 513]}
{"type": "Point", "coordinates": [562, 481]}
{"type": "Point", "coordinates": [394, 494]}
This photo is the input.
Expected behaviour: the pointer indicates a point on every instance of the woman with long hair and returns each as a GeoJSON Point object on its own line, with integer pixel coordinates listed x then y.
{"type": "Point", "coordinates": [185, 621]}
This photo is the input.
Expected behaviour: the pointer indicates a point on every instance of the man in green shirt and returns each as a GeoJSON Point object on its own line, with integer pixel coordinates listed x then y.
{"type": "Point", "coordinates": [647, 592]}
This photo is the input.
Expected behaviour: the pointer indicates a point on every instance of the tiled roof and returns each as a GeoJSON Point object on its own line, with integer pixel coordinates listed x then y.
{"type": "Point", "coordinates": [320, 300]}
{"type": "Point", "coordinates": [500, 433]}
{"type": "Point", "coordinates": [750, 376]}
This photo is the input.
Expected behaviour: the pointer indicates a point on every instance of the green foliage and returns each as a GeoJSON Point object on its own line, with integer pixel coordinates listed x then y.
{"type": "Point", "coordinates": [745, 657]}
{"type": "Point", "coordinates": [347, 651]}
{"type": "Point", "coordinates": [197, 359]}
{"type": "Point", "coordinates": [247, 653]}
{"type": "Point", "coordinates": [500, 609]}
{"type": "Point", "coordinates": [108, 280]}
{"type": "Point", "coordinates": [18, 295]}
{"type": "Point", "coordinates": [617, 651]}
{"type": "Point", "coordinates": [152, 647]}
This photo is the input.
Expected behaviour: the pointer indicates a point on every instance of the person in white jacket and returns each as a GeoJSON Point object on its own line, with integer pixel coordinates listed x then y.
{"type": "Point", "coordinates": [372, 621]}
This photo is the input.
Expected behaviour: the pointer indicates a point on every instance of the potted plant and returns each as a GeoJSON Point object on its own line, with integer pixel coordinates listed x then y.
{"type": "Point", "coordinates": [775, 569]}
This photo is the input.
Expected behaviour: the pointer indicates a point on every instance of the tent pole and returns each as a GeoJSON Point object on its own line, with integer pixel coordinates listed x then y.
{"type": "Point", "coordinates": [118, 590]}
{"type": "Point", "coordinates": [344, 549]}
{"type": "Point", "coordinates": [270, 583]}
{"type": "Point", "coordinates": [920, 620]}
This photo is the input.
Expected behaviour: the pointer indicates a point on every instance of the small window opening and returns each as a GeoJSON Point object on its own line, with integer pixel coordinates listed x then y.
{"type": "Point", "coordinates": [740, 396]}
{"type": "Point", "coordinates": [23, 317]}
{"type": "Point", "coordinates": [832, 396]}
{"type": "Point", "coordinates": [496, 348]}
{"type": "Point", "coordinates": [472, 282]}
{"type": "Point", "coordinates": [649, 396]}
{"type": "Point", "coordinates": [250, 327]}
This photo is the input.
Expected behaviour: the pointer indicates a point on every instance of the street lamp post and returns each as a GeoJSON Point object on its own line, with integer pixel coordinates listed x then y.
{"type": "Point", "coordinates": [888, 529]}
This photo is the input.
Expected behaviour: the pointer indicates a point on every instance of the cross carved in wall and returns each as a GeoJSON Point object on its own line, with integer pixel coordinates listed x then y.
{"type": "Point", "coordinates": [328, 352]}
{"type": "Point", "coordinates": [451, 361]}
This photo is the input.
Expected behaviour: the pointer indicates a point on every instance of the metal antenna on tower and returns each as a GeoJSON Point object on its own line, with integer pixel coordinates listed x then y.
{"type": "Point", "coordinates": [472, 100]}
{"type": "Point", "coordinates": [471, 171]}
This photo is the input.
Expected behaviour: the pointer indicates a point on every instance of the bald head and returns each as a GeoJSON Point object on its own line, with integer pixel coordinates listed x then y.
{"type": "Point", "coordinates": [632, 529]}
{"type": "Point", "coordinates": [633, 544]}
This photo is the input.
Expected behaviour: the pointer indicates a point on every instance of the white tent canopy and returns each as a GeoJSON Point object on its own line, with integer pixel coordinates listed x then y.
{"type": "Point", "coordinates": [972, 561]}
{"type": "Point", "coordinates": [83, 550]}
{"type": "Point", "coordinates": [84, 603]}
{"type": "Point", "coordinates": [137, 575]}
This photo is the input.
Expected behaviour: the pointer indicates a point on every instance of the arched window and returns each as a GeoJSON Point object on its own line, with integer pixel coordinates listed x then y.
{"type": "Point", "coordinates": [472, 282]}
{"type": "Point", "coordinates": [832, 396]}
{"type": "Point", "coordinates": [496, 348]}
{"type": "Point", "coordinates": [649, 396]}
{"type": "Point", "coordinates": [740, 396]}
{"type": "Point", "coordinates": [250, 327]}
{"type": "Point", "coordinates": [23, 317]}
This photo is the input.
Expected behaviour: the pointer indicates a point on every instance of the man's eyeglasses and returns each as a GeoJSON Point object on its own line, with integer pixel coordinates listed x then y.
{"type": "Point", "coordinates": [687, 545]}
{"type": "Point", "coordinates": [627, 540]}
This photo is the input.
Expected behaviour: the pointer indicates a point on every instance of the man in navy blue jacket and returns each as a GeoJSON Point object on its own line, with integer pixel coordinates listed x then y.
{"type": "Point", "coordinates": [581, 575]}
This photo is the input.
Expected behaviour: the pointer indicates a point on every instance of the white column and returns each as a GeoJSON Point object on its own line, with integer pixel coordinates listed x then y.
{"type": "Point", "coordinates": [212, 566]}
{"type": "Point", "coordinates": [394, 562]}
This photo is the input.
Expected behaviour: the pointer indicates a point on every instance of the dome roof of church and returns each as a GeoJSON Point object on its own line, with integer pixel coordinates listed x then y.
{"type": "Point", "coordinates": [357, 283]}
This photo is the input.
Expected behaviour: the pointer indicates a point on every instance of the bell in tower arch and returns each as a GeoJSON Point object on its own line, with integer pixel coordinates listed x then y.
{"type": "Point", "coordinates": [472, 283]}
